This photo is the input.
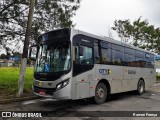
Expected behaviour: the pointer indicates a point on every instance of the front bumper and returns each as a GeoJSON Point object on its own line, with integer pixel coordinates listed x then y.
{"type": "Point", "coordinates": [48, 91]}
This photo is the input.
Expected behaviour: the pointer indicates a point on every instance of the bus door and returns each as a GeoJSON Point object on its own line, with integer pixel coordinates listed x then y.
{"type": "Point", "coordinates": [82, 65]}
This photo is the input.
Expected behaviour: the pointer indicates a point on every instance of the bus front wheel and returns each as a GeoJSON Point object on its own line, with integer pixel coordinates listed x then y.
{"type": "Point", "coordinates": [100, 93]}
{"type": "Point", "coordinates": [140, 87]}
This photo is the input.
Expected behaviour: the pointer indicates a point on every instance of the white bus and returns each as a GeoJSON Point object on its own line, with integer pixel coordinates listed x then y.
{"type": "Point", "coordinates": [72, 64]}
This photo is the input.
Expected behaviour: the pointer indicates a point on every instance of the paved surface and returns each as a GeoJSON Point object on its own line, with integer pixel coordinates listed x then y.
{"type": "Point", "coordinates": [150, 101]}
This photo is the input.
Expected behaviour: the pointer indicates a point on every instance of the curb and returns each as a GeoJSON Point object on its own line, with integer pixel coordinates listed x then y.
{"type": "Point", "coordinates": [6, 101]}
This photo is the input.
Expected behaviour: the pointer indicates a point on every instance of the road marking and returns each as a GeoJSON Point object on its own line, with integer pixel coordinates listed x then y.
{"type": "Point", "coordinates": [48, 99]}
{"type": "Point", "coordinates": [29, 102]}
{"type": "Point", "coordinates": [37, 100]}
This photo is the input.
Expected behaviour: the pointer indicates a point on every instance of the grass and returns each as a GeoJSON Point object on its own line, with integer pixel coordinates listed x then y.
{"type": "Point", "coordinates": [9, 80]}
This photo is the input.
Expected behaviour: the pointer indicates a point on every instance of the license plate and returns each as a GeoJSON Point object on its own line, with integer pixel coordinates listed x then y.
{"type": "Point", "coordinates": [42, 93]}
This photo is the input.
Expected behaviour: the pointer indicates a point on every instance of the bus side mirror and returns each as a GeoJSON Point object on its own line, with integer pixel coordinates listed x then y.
{"type": "Point", "coordinates": [33, 52]}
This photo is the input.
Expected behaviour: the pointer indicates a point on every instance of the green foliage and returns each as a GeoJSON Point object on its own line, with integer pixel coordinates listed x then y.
{"type": "Point", "coordinates": [48, 15]}
{"type": "Point", "coordinates": [18, 54]}
{"type": "Point", "coordinates": [3, 56]}
{"type": "Point", "coordinates": [123, 29]}
{"type": "Point", "coordinates": [140, 33]}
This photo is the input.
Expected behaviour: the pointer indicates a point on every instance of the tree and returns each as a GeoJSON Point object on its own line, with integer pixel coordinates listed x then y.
{"type": "Point", "coordinates": [139, 33]}
{"type": "Point", "coordinates": [25, 49]}
{"type": "Point", "coordinates": [18, 54]}
{"type": "Point", "coordinates": [48, 15]}
{"type": "Point", "coordinates": [8, 52]}
{"type": "Point", "coordinates": [51, 14]}
{"type": "Point", "coordinates": [123, 28]}
{"type": "Point", "coordinates": [3, 56]}
{"type": "Point", "coordinates": [10, 20]}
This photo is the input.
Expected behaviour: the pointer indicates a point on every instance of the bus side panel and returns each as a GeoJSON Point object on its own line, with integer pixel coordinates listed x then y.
{"type": "Point", "coordinates": [113, 74]}
{"type": "Point", "coordinates": [149, 77]}
{"type": "Point", "coordinates": [82, 90]}
{"type": "Point", "coordinates": [85, 87]}
{"type": "Point", "coordinates": [116, 78]}
{"type": "Point", "coordinates": [130, 78]}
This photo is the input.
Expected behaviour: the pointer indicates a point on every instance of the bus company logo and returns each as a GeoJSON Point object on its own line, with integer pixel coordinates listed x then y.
{"type": "Point", "coordinates": [103, 71]}
{"type": "Point", "coordinates": [131, 71]}
{"type": "Point", "coordinates": [6, 114]}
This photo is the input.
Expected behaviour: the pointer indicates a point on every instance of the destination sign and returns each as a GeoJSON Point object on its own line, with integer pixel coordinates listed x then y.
{"type": "Point", "coordinates": [56, 34]}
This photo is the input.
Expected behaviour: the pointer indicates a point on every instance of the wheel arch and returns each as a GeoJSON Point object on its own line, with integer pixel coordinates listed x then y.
{"type": "Point", "coordinates": [141, 79]}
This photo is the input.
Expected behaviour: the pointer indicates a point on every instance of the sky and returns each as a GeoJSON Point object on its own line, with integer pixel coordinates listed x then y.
{"type": "Point", "coordinates": [98, 16]}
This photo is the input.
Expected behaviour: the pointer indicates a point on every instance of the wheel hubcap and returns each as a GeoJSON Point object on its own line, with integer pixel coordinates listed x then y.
{"type": "Point", "coordinates": [141, 87]}
{"type": "Point", "coordinates": [100, 93]}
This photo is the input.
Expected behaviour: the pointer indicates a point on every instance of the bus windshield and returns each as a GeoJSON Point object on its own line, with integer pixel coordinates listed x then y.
{"type": "Point", "coordinates": [53, 57]}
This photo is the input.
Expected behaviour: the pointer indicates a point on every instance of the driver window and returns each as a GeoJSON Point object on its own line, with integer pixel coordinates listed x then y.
{"type": "Point", "coordinates": [83, 55]}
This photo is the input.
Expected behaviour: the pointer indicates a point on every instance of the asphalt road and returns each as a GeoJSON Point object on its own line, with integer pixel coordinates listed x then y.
{"type": "Point", "coordinates": [124, 105]}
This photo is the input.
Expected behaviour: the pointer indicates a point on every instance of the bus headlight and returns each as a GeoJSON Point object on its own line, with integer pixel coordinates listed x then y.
{"type": "Point", "coordinates": [62, 84]}
{"type": "Point", "coordinates": [59, 86]}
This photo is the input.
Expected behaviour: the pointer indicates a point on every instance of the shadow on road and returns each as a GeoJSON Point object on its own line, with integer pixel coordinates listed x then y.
{"type": "Point", "coordinates": [71, 107]}
{"type": "Point", "coordinates": [71, 104]}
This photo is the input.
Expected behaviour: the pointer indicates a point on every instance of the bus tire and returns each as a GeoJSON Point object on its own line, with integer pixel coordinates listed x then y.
{"type": "Point", "coordinates": [140, 87]}
{"type": "Point", "coordinates": [100, 93]}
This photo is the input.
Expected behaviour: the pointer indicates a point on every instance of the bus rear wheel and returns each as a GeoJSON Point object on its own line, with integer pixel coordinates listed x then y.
{"type": "Point", "coordinates": [140, 87]}
{"type": "Point", "coordinates": [100, 93]}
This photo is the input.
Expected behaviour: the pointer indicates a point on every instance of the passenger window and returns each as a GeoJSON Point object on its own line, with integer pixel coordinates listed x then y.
{"type": "Point", "coordinates": [139, 54]}
{"type": "Point", "coordinates": [149, 60]}
{"type": "Point", "coordinates": [139, 59]}
{"type": "Point", "coordinates": [139, 62]}
{"type": "Point", "coordinates": [106, 56]}
{"type": "Point", "coordinates": [118, 47]}
{"type": "Point", "coordinates": [117, 57]}
{"type": "Point", "coordinates": [86, 55]}
{"type": "Point", "coordinates": [129, 51]}
{"type": "Point", "coordinates": [129, 60]}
